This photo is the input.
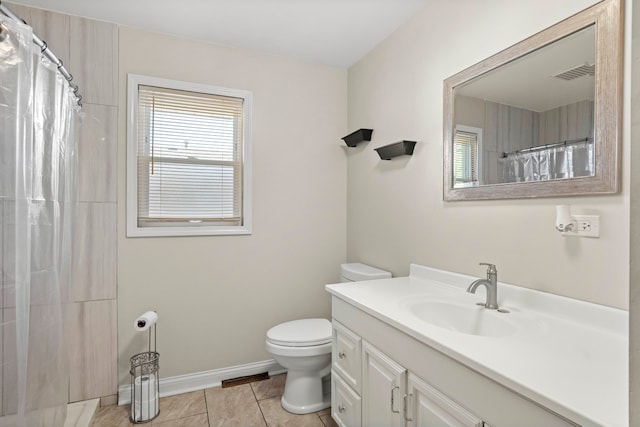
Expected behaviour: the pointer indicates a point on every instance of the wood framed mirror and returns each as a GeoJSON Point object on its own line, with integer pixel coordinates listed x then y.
{"type": "Point", "coordinates": [541, 118]}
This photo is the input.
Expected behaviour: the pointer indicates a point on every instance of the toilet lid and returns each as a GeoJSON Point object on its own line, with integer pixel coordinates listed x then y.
{"type": "Point", "coordinates": [301, 333]}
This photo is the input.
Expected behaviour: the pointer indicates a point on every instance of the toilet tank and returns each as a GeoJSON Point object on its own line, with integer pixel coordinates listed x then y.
{"type": "Point", "coordinates": [355, 272]}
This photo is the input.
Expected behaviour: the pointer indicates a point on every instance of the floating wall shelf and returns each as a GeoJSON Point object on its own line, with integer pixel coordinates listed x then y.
{"type": "Point", "coordinates": [396, 149]}
{"type": "Point", "coordinates": [358, 136]}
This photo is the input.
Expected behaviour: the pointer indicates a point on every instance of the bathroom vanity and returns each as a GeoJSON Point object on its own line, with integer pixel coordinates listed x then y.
{"type": "Point", "coordinates": [418, 351]}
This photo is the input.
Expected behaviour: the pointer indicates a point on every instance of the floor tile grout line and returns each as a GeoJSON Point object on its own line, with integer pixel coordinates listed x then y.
{"type": "Point", "coordinates": [206, 407]}
{"type": "Point", "coordinates": [259, 407]}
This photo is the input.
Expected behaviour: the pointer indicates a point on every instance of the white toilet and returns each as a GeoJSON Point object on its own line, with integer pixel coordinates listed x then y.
{"type": "Point", "coordinates": [303, 347]}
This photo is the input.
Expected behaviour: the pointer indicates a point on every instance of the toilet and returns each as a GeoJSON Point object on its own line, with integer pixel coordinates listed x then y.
{"type": "Point", "coordinates": [303, 347]}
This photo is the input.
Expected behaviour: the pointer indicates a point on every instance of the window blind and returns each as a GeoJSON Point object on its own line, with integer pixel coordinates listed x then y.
{"type": "Point", "coordinates": [189, 157]}
{"type": "Point", "coordinates": [465, 157]}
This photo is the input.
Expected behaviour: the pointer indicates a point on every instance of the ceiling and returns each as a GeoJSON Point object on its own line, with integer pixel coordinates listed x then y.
{"type": "Point", "coordinates": [331, 32]}
{"type": "Point", "coordinates": [529, 81]}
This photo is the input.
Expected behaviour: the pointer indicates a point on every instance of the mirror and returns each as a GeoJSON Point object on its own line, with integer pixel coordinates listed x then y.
{"type": "Point", "coordinates": [541, 118]}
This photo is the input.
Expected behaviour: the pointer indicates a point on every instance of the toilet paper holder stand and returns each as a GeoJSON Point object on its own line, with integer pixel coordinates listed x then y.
{"type": "Point", "coordinates": [145, 383]}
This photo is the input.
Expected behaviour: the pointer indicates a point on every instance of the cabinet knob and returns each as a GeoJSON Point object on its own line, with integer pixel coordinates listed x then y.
{"type": "Point", "coordinates": [341, 355]}
{"type": "Point", "coordinates": [341, 408]}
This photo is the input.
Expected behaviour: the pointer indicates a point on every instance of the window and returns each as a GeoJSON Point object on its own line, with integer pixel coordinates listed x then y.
{"type": "Point", "coordinates": [188, 159]}
{"type": "Point", "coordinates": [466, 156]}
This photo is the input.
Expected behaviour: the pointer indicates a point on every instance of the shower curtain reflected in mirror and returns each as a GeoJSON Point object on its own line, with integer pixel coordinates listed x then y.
{"type": "Point", "coordinates": [37, 163]}
{"type": "Point", "coordinates": [567, 161]}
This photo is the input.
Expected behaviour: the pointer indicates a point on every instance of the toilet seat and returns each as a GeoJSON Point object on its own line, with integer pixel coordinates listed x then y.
{"type": "Point", "coordinates": [301, 333]}
{"type": "Point", "coordinates": [298, 352]}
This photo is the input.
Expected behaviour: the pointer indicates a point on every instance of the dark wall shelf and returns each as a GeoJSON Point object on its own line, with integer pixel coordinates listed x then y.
{"type": "Point", "coordinates": [358, 136]}
{"type": "Point", "coordinates": [396, 149]}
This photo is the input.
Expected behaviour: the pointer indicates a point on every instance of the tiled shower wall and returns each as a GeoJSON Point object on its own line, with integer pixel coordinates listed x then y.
{"type": "Point", "coordinates": [89, 50]}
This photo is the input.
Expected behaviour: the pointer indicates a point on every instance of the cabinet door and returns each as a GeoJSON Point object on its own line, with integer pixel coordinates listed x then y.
{"type": "Point", "coordinates": [383, 386]}
{"type": "Point", "coordinates": [346, 355]}
{"type": "Point", "coordinates": [427, 407]}
{"type": "Point", "coordinates": [345, 403]}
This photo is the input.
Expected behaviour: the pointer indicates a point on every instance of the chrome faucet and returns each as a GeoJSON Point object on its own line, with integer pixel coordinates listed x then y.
{"type": "Point", "coordinates": [491, 283]}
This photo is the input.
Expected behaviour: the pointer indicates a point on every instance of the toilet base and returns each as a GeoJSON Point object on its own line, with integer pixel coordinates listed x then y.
{"type": "Point", "coordinates": [304, 394]}
{"type": "Point", "coordinates": [326, 402]}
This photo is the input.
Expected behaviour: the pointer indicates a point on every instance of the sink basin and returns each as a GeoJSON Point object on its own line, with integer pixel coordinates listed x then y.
{"type": "Point", "coordinates": [466, 318]}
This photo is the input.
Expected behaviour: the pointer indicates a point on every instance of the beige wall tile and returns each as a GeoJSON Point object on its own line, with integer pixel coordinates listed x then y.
{"type": "Point", "coordinates": [7, 293]}
{"type": "Point", "coordinates": [23, 12]}
{"type": "Point", "coordinates": [4, 245]}
{"type": "Point", "coordinates": [9, 361]}
{"type": "Point", "coordinates": [92, 349]}
{"type": "Point", "coordinates": [94, 60]}
{"type": "Point", "coordinates": [47, 385]}
{"type": "Point", "coordinates": [2, 355]}
{"type": "Point", "coordinates": [53, 28]}
{"type": "Point", "coordinates": [42, 254]}
{"type": "Point", "coordinates": [88, 50]}
{"type": "Point", "coordinates": [109, 400]}
{"type": "Point", "coordinates": [94, 252]}
{"type": "Point", "coordinates": [97, 154]}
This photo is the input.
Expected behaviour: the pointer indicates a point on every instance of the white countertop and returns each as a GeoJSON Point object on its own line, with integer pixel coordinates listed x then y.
{"type": "Point", "coordinates": [568, 355]}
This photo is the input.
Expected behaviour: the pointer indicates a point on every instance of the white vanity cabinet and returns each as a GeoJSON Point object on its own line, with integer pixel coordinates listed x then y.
{"type": "Point", "coordinates": [382, 376]}
{"type": "Point", "coordinates": [427, 407]}
{"type": "Point", "coordinates": [345, 403]}
{"type": "Point", "coordinates": [346, 374]}
{"type": "Point", "coordinates": [383, 389]}
{"type": "Point", "coordinates": [370, 389]}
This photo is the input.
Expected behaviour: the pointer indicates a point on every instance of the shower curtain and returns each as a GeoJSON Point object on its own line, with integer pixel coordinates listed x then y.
{"type": "Point", "coordinates": [37, 163]}
{"type": "Point", "coordinates": [566, 161]}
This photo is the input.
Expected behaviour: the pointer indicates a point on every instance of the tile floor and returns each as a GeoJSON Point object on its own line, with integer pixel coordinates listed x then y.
{"type": "Point", "coordinates": [248, 405]}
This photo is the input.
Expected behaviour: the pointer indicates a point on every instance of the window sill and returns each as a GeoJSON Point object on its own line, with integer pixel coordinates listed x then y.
{"type": "Point", "coordinates": [187, 231]}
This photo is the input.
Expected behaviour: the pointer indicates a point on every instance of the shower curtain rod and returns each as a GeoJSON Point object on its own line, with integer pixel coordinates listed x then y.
{"type": "Point", "coordinates": [544, 147]}
{"type": "Point", "coordinates": [44, 49]}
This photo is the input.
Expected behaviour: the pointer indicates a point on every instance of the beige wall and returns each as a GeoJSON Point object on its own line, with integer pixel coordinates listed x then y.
{"type": "Point", "coordinates": [396, 214]}
{"type": "Point", "coordinates": [217, 296]}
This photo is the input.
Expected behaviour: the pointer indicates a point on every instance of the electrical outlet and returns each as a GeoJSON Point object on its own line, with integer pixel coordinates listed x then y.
{"type": "Point", "coordinates": [586, 226]}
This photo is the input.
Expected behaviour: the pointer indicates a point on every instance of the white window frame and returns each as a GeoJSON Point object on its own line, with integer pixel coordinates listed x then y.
{"type": "Point", "coordinates": [133, 230]}
{"type": "Point", "coordinates": [478, 132]}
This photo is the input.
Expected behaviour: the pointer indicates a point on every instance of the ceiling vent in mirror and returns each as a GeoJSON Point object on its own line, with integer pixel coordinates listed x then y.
{"type": "Point", "coordinates": [576, 72]}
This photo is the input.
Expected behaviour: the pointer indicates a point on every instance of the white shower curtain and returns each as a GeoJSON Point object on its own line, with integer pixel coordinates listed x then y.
{"type": "Point", "coordinates": [566, 161]}
{"type": "Point", "coordinates": [38, 119]}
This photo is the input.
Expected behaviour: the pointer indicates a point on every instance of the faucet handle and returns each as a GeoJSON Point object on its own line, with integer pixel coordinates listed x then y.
{"type": "Point", "coordinates": [491, 268]}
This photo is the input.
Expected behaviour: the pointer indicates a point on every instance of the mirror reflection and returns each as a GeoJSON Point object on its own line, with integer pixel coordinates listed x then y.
{"type": "Point", "coordinates": [531, 119]}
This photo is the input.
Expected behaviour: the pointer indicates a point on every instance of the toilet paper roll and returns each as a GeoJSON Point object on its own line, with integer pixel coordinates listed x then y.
{"type": "Point", "coordinates": [145, 321]}
{"type": "Point", "coordinates": [144, 406]}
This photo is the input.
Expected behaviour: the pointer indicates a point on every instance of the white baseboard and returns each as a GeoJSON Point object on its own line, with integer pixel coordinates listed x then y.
{"type": "Point", "coordinates": [201, 380]}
